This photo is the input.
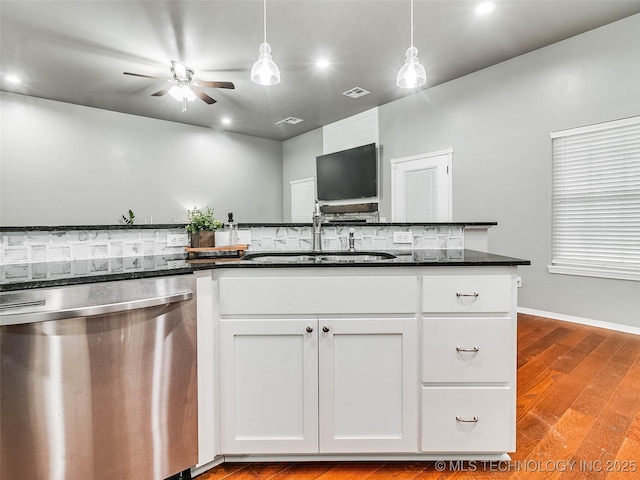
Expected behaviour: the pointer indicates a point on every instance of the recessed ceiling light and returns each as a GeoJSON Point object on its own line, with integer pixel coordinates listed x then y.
{"type": "Point", "coordinates": [322, 63]}
{"type": "Point", "coordinates": [12, 79]}
{"type": "Point", "coordinates": [226, 121]}
{"type": "Point", "coordinates": [485, 7]}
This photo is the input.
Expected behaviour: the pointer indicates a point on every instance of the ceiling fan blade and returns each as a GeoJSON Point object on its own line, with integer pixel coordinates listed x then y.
{"type": "Point", "coordinates": [202, 83]}
{"type": "Point", "coordinates": [160, 93]}
{"type": "Point", "coordinates": [204, 97]}
{"type": "Point", "coordinates": [143, 76]}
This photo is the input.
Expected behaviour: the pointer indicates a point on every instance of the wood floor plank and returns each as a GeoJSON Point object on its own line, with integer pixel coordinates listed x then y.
{"type": "Point", "coordinates": [634, 429]}
{"type": "Point", "coordinates": [530, 395]}
{"type": "Point", "coordinates": [305, 470]}
{"type": "Point", "coordinates": [530, 370]}
{"type": "Point", "coordinates": [541, 344]}
{"type": "Point", "coordinates": [577, 335]}
{"type": "Point", "coordinates": [529, 323]}
{"type": "Point", "coordinates": [598, 392]}
{"type": "Point", "coordinates": [542, 329]}
{"type": "Point", "coordinates": [559, 444]}
{"type": "Point", "coordinates": [575, 355]}
{"type": "Point", "coordinates": [398, 471]}
{"type": "Point", "coordinates": [351, 471]}
{"type": "Point", "coordinates": [627, 462]}
{"type": "Point", "coordinates": [626, 399]}
{"type": "Point", "coordinates": [601, 444]}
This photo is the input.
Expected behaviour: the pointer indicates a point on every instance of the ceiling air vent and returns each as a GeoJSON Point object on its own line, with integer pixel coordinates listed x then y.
{"type": "Point", "coordinates": [356, 92]}
{"type": "Point", "coordinates": [290, 121]}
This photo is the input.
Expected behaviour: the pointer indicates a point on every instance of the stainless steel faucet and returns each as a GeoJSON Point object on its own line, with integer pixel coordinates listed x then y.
{"type": "Point", "coordinates": [352, 247]}
{"type": "Point", "coordinates": [317, 229]}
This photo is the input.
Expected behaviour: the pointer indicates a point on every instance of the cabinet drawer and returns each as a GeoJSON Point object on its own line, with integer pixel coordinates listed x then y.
{"type": "Point", "coordinates": [468, 419]}
{"type": "Point", "coordinates": [468, 349]}
{"type": "Point", "coordinates": [319, 295]}
{"type": "Point", "coordinates": [468, 293]}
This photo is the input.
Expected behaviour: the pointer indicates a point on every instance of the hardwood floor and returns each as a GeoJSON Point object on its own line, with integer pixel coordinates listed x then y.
{"type": "Point", "coordinates": [578, 416]}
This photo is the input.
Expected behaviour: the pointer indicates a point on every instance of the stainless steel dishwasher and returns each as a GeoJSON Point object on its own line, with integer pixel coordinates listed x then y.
{"type": "Point", "coordinates": [98, 381]}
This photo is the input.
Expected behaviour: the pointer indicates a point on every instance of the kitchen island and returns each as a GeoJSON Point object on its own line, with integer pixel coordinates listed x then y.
{"type": "Point", "coordinates": [362, 358]}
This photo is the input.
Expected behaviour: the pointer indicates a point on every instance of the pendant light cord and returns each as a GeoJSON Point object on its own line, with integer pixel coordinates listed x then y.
{"type": "Point", "coordinates": [265, 20]}
{"type": "Point", "coordinates": [411, 22]}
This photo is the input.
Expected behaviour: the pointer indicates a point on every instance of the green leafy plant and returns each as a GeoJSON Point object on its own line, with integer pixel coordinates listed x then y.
{"type": "Point", "coordinates": [130, 219]}
{"type": "Point", "coordinates": [199, 220]}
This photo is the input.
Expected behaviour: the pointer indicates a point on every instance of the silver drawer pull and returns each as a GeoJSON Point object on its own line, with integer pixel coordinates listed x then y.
{"type": "Point", "coordinates": [467, 349]}
{"type": "Point", "coordinates": [474, 294]}
{"type": "Point", "coordinates": [467, 420]}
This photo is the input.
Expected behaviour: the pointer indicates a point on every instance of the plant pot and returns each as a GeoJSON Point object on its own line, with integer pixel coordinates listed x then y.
{"type": "Point", "coordinates": [202, 239]}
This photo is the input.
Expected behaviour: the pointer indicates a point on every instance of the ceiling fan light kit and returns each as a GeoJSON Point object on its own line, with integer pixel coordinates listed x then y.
{"type": "Point", "coordinates": [185, 89]}
{"type": "Point", "coordinates": [412, 73]}
{"type": "Point", "coordinates": [265, 71]}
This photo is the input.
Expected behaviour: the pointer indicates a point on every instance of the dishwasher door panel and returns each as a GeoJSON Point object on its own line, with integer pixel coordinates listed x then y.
{"type": "Point", "coordinates": [101, 397]}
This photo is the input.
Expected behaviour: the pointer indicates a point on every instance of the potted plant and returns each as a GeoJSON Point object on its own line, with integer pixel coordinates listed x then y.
{"type": "Point", "coordinates": [202, 226]}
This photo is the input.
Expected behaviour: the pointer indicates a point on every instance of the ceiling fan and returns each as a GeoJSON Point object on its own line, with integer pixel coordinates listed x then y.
{"type": "Point", "coordinates": [185, 88]}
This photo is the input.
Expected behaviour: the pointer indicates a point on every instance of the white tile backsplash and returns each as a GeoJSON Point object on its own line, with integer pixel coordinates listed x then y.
{"type": "Point", "coordinates": [136, 245]}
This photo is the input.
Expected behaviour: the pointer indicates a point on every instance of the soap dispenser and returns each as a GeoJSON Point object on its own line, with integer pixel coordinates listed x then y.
{"type": "Point", "coordinates": [232, 228]}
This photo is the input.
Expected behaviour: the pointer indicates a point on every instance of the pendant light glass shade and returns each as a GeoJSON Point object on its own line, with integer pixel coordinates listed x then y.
{"type": "Point", "coordinates": [265, 71]}
{"type": "Point", "coordinates": [412, 74]}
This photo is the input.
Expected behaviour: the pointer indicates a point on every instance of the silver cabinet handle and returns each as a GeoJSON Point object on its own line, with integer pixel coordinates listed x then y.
{"type": "Point", "coordinates": [32, 303]}
{"type": "Point", "coordinates": [309, 329]}
{"type": "Point", "coordinates": [467, 420]}
{"type": "Point", "coordinates": [474, 294]}
{"type": "Point", "coordinates": [325, 329]}
{"type": "Point", "coordinates": [467, 349]}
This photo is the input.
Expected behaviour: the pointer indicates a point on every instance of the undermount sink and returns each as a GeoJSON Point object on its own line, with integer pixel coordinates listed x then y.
{"type": "Point", "coordinates": [317, 257]}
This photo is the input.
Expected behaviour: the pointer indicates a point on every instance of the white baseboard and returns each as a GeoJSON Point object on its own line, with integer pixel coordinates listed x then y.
{"type": "Point", "coordinates": [584, 321]}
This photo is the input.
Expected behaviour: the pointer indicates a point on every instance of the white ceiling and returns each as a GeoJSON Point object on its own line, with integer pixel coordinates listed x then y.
{"type": "Point", "coordinates": [77, 51]}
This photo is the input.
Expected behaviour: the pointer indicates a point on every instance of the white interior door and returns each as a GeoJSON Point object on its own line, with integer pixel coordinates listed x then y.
{"type": "Point", "coordinates": [421, 187]}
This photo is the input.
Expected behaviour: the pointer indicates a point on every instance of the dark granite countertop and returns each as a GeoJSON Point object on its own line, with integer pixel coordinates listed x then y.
{"type": "Point", "coordinates": [165, 226]}
{"type": "Point", "coordinates": [23, 276]}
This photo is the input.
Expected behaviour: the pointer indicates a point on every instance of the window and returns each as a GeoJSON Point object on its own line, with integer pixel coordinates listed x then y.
{"type": "Point", "coordinates": [596, 200]}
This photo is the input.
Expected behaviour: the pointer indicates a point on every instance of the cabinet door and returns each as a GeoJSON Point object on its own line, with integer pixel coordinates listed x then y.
{"type": "Point", "coordinates": [269, 386]}
{"type": "Point", "coordinates": [368, 385]}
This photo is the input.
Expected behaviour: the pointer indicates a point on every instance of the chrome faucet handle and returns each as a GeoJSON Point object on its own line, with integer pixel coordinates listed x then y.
{"type": "Point", "coordinates": [352, 247]}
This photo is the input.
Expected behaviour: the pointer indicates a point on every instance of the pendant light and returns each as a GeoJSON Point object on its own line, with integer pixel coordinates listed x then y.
{"type": "Point", "coordinates": [265, 71]}
{"type": "Point", "coordinates": [412, 74]}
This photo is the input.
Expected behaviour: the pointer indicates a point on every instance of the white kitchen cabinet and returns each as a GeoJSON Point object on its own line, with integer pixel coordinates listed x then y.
{"type": "Point", "coordinates": [309, 386]}
{"type": "Point", "coordinates": [471, 418]}
{"type": "Point", "coordinates": [362, 363]}
{"type": "Point", "coordinates": [269, 386]}
{"type": "Point", "coordinates": [468, 394]}
{"type": "Point", "coordinates": [368, 385]}
{"type": "Point", "coordinates": [364, 373]}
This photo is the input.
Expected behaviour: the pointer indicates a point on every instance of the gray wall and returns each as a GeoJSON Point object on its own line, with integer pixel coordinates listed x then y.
{"type": "Point", "coordinates": [498, 122]}
{"type": "Point", "coordinates": [299, 161]}
{"type": "Point", "coordinates": [63, 164]}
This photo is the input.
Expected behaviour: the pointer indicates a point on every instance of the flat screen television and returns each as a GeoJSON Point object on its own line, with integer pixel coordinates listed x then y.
{"type": "Point", "coordinates": [348, 174]}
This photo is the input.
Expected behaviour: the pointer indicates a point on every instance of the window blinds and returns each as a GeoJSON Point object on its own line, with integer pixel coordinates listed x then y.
{"type": "Point", "coordinates": [596, 200]}
{"type": "Point", "coordinates": [303, 199]}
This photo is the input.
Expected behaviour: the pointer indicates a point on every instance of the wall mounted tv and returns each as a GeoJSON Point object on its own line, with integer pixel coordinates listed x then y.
{"type": "Point", "coordinates": [348, 174]}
